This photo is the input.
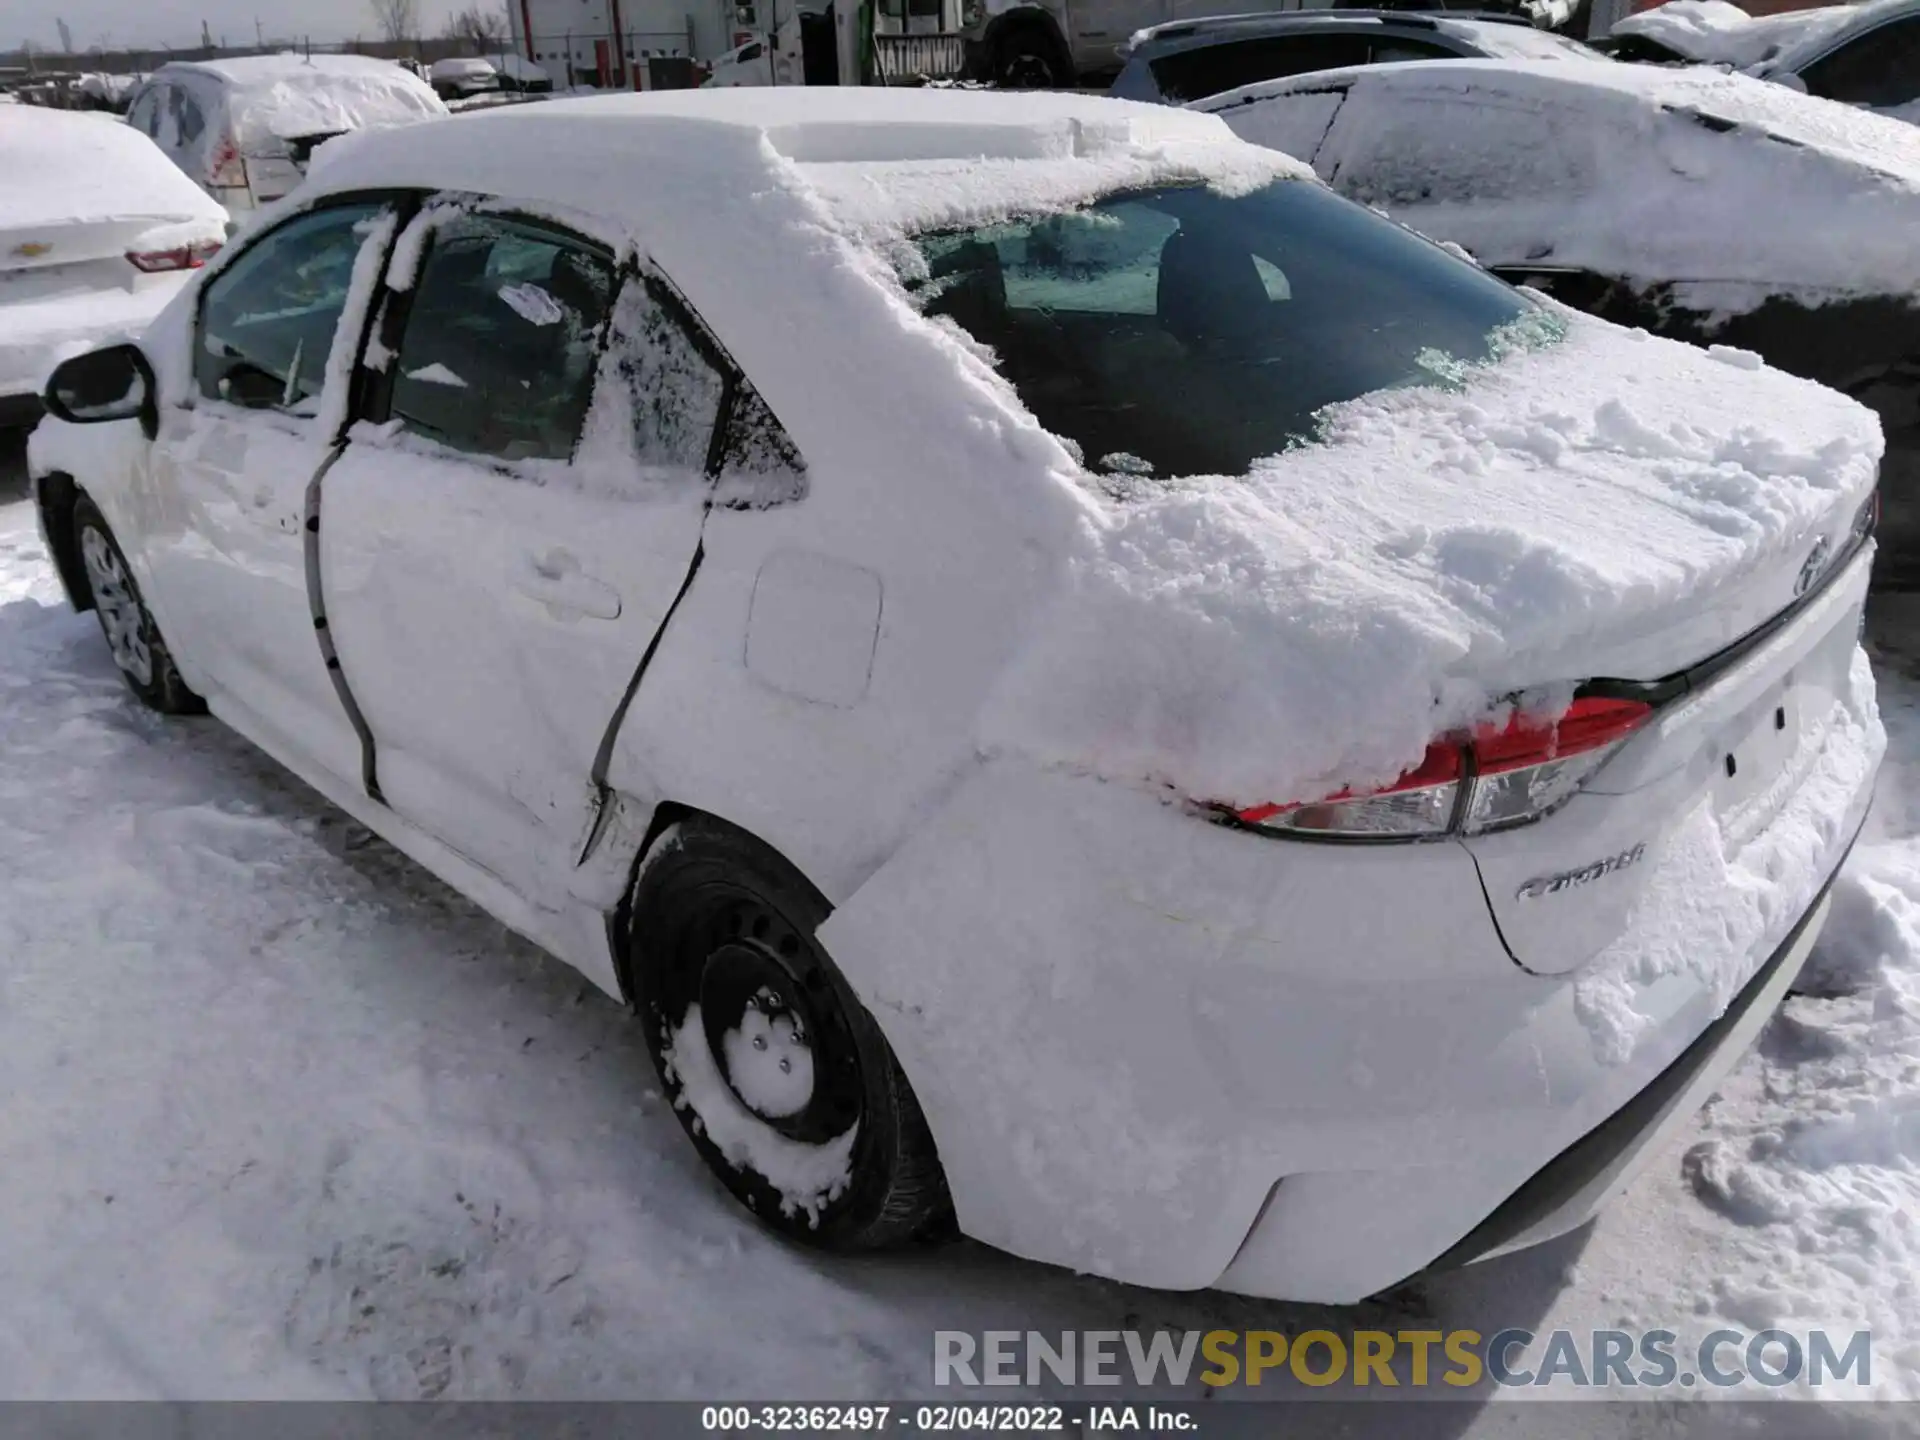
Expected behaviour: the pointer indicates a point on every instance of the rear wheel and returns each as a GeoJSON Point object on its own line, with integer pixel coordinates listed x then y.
{"type": "Point", "coordinates": [1895, 397]}
{"type": "Point", "coordinates": [779, 1075]}
{"type": "Point", "coordinates": [133, 639]}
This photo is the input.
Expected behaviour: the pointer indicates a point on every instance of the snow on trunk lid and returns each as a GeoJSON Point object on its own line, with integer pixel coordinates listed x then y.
{"type": "Point", "coordinates": [1611, 505]}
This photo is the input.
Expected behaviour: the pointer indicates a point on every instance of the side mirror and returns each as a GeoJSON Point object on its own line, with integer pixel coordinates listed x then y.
{"type": "Point", "coordinates": [112, 384]}
{"type": "Point", "coordinates": [1787, 80]}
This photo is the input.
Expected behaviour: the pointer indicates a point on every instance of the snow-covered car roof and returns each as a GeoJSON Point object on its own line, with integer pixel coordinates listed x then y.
{"type": "Point", "coordinates": [248, 71]}
{"type": "Point", "coordinates": [874, 158]}
{"type": "Point", "coordinates": [461, 67]}
{"type": "Point", "coordinates": [288, 96]}
{"type": "Point", "coordinates": [1713, 32]}
{"type": "Point", "coordinates": [1842, 132]}
{"type": "Point", "coordinates": [517, 67]}
{"type": "Point", "coordinates": [63, 167]}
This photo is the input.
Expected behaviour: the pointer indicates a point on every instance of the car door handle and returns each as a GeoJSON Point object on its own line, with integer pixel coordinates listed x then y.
{"type": "Point", "coordinates": [556, 582]}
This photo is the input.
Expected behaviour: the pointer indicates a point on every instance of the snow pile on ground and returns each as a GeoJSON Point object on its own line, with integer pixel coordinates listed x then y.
{"type": "Point", "coordinates": [1652, 174]}
{"type": "Point", "coordinates": [1716, 33]}
{"type": "Point", "coordinates": [1317, 623]}
{"type": "Point", "coordinates": [1816, 1159]}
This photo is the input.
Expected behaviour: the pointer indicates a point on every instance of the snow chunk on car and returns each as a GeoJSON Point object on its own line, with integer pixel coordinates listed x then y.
{"type": "Point", "coordinates": [1586, 507]}
{"type": "Point", "coordinates": [1634, 172]}
{"type": "Point", "coordinates": [286, 97]}
{"type": "Point", "coordinates": [1712, 32]}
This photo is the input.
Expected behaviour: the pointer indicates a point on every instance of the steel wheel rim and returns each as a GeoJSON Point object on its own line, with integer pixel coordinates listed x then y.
{"type": "Point", "coordinates": [756, 977]}
{"type": "Point", "coordinates": [1028, 72]}
{"type": "Point", "coordinates": [121, 617]}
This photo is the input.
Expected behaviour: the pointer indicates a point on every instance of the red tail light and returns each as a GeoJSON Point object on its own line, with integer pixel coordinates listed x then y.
{"type": "Point", "coordinates": [226, 170]}
{"type": "Point", "coordinates": [1492, 780]}
{"type": "Point", "coordinates": [181, 257]}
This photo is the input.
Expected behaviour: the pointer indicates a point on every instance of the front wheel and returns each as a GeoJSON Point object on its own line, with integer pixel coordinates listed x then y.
{"type": "Point", "coordinates": [133, 638]}
{"type": "Point", "coordinates": [779, 1075]}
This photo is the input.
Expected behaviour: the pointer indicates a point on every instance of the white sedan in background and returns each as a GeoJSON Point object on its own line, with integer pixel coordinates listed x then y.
{"type": "Point", "coordinates": [98, 231]}
{"type": "Point", "coordinates": [1192, 729]}
{"type": "Point", "coordinates": [1865, 54]}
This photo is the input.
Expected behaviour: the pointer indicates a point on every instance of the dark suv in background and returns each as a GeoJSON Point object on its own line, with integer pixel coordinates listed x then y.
{"type": "Point", "coordinates": [1192, 59]}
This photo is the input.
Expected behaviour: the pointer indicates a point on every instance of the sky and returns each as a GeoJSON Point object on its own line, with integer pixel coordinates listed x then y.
{"type": "Point", "coordinates": [116, 24]}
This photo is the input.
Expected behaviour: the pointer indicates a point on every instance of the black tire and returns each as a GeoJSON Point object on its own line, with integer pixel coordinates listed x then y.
{"type": "Point", "coordinates": [1026, 59]}
{"type": "Point", "coordinates": [717, 917]}
{"type": "Point", "coordinates": [1895, 397]}
{"type": "Point", "coordinates": [138, 649]}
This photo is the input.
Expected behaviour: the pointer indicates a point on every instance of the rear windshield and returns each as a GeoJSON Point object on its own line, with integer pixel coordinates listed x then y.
{"type": "Point", "coordinates": [1207, 70]}
{"type": "Point", "coordinates": [1179, 332]}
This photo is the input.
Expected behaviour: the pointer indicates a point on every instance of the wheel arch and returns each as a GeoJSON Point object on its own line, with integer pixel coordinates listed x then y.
{"type": "Point", "coordinates": [1033, 20]}
{"type": "Point", "coordinates": [55, 494]}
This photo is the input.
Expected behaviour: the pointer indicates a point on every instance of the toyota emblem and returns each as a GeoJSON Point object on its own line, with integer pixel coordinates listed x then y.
{"type": "Point", "coordinates": [1813, 567]}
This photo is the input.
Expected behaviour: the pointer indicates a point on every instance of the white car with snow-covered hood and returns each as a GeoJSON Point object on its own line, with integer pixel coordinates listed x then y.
{"type": "Point", "coordinates": [97, 233]}
{"type": "Point", "coordinates": [1703, 206]}
{"type": "Point", "coordinates": [245, 128]}
{"type": "Point", "coordinates": [1865, 54]}
{"type": "Point", "coordinates": [1067, 672]}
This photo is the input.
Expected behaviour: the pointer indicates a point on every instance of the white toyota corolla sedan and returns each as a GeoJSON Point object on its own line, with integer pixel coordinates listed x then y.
{"type": "Point", "coordinates": [1075, 679]}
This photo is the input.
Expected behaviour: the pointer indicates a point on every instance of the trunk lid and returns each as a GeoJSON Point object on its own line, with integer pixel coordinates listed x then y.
{"type": "Point", "coordinates": [54, 245]}
{"type": "Point", "coordinates": [77, 187]}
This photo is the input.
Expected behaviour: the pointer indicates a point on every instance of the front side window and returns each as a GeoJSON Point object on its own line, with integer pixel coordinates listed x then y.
{"type": "Point", "coordinates": [1880, 69]}
{"type": "Point", "coordinates": [502, 338]}
{"type": "Point", "coordinates": [267, 320]}
{"type": "Point", "coordinates": [1180, 332]}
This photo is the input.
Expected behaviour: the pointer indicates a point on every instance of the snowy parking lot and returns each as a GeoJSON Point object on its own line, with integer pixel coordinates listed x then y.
{"type": "Point", "coordinates": [1104, 729]}
{"type": "Point", "coordinates": [285, 1117]}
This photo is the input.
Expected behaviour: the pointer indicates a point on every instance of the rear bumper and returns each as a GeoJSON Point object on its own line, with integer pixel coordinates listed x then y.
{"type": "Point", "coordinates": [1182, 1056]}
{"type": "Point", "coordinates": [1569, 1189]}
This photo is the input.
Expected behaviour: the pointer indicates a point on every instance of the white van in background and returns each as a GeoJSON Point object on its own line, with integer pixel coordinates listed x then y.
{"type": "Point", "coordinates": [244, 128]}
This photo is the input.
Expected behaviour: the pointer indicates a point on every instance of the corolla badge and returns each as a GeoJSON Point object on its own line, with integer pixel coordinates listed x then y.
{"type": "Point", "coordinates": [1813, 567]}
{"type": "Point", "coordinates": [1586, 874]}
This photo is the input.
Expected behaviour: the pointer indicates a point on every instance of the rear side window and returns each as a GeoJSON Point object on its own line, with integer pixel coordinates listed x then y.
{"type": "Point", "coordinates": [1214, 69]}
{"type": "Point", "coordinates": [1880, 68]}
{"type": "Point", "coordinates": [1179, 332]}
{"type": "Point", "coordinates": [501, 339]}
{"type": "Point", "coordinates": [267, 320]}
{"type": "Point", "coordinates": [144, 114]}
